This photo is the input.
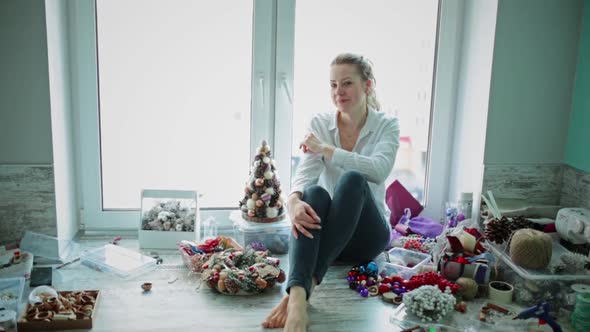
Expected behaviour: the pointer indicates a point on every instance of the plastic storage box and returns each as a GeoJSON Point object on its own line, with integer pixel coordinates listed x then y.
{"type": "Point", "coordinates": [11, 293]}
{"type": "Point", "coordinates": [167, 217]}
{"type": "Point", "coordinates": [275, 235]}
{"type": "Point", "coordinates": [405, 263]}
{"type": "Point", "coordinates": [535, 286]}
{"type": "Point", "coordinates": [120, 261]}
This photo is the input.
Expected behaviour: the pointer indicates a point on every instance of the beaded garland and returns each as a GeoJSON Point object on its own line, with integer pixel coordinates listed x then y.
{"type": "Point", "coordinates": [366, 280]}
{"type": "Point", "coordinates": [417, 243]}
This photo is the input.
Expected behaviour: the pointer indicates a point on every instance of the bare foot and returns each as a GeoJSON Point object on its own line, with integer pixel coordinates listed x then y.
{"type": "Point", "coordinates": [278, 315]}
{"type": "Point", "coordinates": [297, 320]}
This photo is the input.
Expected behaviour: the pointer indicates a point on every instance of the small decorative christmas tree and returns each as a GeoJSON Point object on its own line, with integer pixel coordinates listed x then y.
{"type": "Point", "coordinates": [262, 201]}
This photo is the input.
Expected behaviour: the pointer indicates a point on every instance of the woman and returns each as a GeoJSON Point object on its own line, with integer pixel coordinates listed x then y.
{"type": "Point", "coordinates": [337, 203]}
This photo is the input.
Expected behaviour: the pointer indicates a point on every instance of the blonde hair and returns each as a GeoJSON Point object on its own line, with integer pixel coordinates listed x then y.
{"type": "Point", "coordinates": [365, 69]}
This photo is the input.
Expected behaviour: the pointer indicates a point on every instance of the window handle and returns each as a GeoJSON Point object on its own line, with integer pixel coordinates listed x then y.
{"type": "Point", "coordinates": [261, 89]}
{"type": "Point", "coordinates": [285, 85]}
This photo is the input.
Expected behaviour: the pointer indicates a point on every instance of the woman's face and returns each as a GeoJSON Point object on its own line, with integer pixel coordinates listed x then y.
{"type": "Point", "coordinates": [348, 89]}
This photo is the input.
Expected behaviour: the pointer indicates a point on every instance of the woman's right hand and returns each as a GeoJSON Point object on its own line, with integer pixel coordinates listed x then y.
{"type": "Point", "coordinates": [303, 217]}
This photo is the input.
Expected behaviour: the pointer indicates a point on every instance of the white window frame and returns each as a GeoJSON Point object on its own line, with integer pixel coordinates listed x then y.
{"type": "Point", "coordinates": [271, 105]}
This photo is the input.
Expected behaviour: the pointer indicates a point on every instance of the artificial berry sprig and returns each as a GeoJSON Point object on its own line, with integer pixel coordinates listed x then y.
{"type": "Point", "coordinates": [432, 279]}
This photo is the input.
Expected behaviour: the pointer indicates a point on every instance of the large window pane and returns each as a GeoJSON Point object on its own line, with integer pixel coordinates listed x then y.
{"type": "Point", "coordinates": [399, 37]}
{"type": "Point", "coordinates": [174, 86]}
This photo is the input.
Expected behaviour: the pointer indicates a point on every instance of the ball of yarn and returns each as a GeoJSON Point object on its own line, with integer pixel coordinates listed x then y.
{"type": "Point", "coordinates": [531, 249]}
{"type": "Point", "coordinates": [467, 288]}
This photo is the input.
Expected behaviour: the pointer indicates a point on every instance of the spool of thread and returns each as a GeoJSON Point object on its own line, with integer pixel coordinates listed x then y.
{"type": "Point", "coordinates": [580, 318]}
{"type": "Point", "coordinates": [531, 249]}
{"type": "Point", "coordinates": [500, 292]}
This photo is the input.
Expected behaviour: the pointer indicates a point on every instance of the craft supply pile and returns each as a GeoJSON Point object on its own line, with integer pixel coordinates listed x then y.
{"type": "Point", "coordinates": [498, 273]}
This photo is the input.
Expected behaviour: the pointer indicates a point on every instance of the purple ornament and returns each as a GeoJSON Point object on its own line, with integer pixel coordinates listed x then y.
{"type": "Point", "coordinates": [370, 283]}
{"type": "Point", "coordinates": [403, 289]}
{"type": "Point", "coordinates": [350, 279]}
{"type": "Point", "coordinates": [258, 246]}
{"type": "Point", "coordinates": [460, 217]}
{"type": "Point", "coordinates": [364, 292]}
{"type": "Point", "coordinates": [359, 288]}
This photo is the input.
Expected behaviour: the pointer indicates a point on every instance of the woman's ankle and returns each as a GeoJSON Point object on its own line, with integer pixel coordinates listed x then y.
{"type": "Point", "coordinates": [297, 293]}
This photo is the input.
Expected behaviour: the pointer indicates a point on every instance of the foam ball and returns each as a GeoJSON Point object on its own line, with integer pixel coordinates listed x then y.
{"type": "Point", "coordinates": [272, 212]}
{"type": "Point", "coordinates": [531, 249]}
{"type": "Point", "coordinates": [250, 203]}
{"type": "Point", "coordinates": [268, 175]}
{"type": "Point", "coordinates": [270, 191]}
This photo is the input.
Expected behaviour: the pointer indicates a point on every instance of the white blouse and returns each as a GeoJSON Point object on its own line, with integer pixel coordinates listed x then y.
{"type": "Point", "coordinates": [373, 155]}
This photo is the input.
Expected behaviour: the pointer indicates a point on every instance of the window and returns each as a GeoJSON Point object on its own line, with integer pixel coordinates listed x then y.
{"type": "Point", "coordinates": [177, 95]}
{"type": "Point", "coordinates": [171, 90]}
{"type": "Point", "coordinates": [399, 37]}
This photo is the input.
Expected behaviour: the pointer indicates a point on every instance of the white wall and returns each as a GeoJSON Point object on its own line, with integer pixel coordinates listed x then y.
{"type": "Point", "coordinates": [61, 119]}
{"type": "Point", "coordinates": [25, 128]}
{"type": "Point", "coordinates": [532, 78]}
{"type": "Point", "coordinates": [473, 97]}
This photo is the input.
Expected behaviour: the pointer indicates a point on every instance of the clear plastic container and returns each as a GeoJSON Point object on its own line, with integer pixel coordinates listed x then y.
{"type": "Point", "coordinates": [545, 274]}
{"type": "Point", "coordinates": [49, 247]}
{"type": "Point", "coordinates": [464, 322]}
{"type": "Point", "coordinates": [534, 286]}
{"type": "Point", "coordinates": [167, 217]}
{"type": "Point", "coordinates": [405, 263]}
{"type": "Point", "coordinates": [11, 293]}
{"type": "Point", "coordinates": [274, 236]}
{"type": "Point", "coordinates": [120, 261]}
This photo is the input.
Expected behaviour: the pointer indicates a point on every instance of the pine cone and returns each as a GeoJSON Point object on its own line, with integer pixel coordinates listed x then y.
{"type": "Point", "coordinates": [520, 222]}
{"type": "Point", "coordinates": [231, 286]}
{"type": "Point", "coordinates": [211, 282]}
{"type": "Point", "coordinates": [259, 173]}
{"type": "Point", "coordinates": [497, 230]}
{"type": "Point", "coordinates": [261, 212]}
{"type": "Point", "coordinates": [558, 268]}
{"type": "Point", "coordinates": [574, 261]}
{"type": "Point", "coordinates": [270, 283]}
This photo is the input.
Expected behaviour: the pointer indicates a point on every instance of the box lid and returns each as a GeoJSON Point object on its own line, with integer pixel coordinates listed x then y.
{"type": "Point", "coordinates": [120, 261]}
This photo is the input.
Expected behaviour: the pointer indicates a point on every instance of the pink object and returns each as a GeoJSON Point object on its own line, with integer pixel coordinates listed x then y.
{"type": "Point", "coordinates": [399, 198]}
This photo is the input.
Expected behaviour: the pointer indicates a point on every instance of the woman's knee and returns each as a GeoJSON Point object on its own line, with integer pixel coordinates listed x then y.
{"type": "Point", "coordinates": [316, 194]}
{"type": "Point", "coordinates": [352, 179]}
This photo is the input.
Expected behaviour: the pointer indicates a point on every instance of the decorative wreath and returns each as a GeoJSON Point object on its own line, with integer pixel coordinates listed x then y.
{"type": "Point", "coordinates": [230, 269]}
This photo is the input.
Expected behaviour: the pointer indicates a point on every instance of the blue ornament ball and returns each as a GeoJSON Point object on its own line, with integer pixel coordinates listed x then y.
{"type": "Point", "coordinates": [372, 267]}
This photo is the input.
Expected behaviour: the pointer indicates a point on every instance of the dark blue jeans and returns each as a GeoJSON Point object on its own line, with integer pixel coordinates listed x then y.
{"type": "Point", "coordinates": [353, 230]}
